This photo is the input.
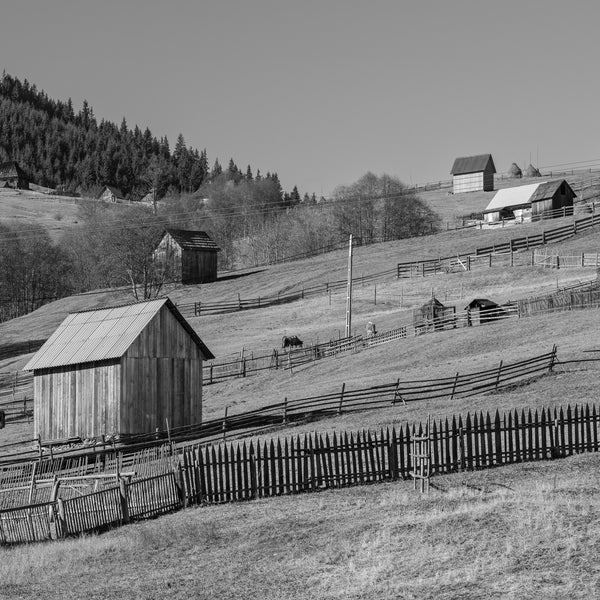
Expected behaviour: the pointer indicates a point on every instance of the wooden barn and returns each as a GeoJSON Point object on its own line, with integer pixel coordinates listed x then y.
{"type": "Point", "coordinates": [482, 310]}
{"type": "Point", "coordinates": [188, 256]}
{"type": "Point", "coordinates": [112, 194]}
{"type": "Point", "coordinates": [118, 371]}
{"type": "Point", "coordinates": [525, 202]}
{"type": "Point", "coordinates": [434, 315]}
{"type": "Point", "coordinates": [12, 176]}
{"type": "Point", "coordinates": [473, 174]}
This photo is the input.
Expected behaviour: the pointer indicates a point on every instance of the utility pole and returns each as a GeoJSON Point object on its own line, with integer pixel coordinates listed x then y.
{"type": "Point", "coordinates": [349, 292]}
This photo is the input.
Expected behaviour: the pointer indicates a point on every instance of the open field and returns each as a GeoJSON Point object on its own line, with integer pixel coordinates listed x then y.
{"type": "Point", "coordinates": [523, 531]}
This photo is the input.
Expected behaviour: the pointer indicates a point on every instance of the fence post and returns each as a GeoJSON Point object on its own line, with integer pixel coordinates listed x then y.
{"type": "Point", "coordinates": [341, 398]}
{"type": "Point", "coordinates": [454, 386]}
{"type": "Point", "coordinates": [180, 483]}
{"type": "Point", "coordinates": [552, 359]}
{"type": "Point", "coordinates": [285, 404]}
{"type": "Point", "coordinates": [123, 497]}
{"type": "Point", "coordinates": [239, 302]}
{"type": "Point", "coordinates": [224, 425]}
{"type": "Point", "coordinates": [197, 309]}
{"type": "Point", "coordinates": [499, 373]}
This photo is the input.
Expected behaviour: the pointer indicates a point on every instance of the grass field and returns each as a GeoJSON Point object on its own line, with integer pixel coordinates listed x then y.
{"type": "Point", "coordinates": [525, 531]}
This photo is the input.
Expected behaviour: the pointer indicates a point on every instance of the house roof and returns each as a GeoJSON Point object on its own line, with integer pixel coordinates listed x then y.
{"type": "Point", "coordinates": [193, 240]}
{"type": "Point", "coordinates": [512, 197]}
{"type": "Point", "coordinates": [523, 195]}
{"type": "Point", "coordinates": [115, 190]}
{"type": "Point", "coordinates": [103, 334]}
{"type": "Point", "coordinates": [11, 169]}
{"type": "Point", "coordinates": [473, 164]}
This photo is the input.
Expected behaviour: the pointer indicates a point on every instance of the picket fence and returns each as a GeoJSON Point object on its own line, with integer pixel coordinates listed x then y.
{"type": "Point", "coordinates": [245, 470]}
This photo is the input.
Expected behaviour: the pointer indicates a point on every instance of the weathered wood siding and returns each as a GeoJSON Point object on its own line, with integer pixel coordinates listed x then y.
{"type": "Point", "coordinates": [473, 182]}
{"type": "Point", "coordinates": [162, 378]}
{"type": "Point", "coordinates": [77, 400]}
{"type": "Point", "coordinates": [198, 266]}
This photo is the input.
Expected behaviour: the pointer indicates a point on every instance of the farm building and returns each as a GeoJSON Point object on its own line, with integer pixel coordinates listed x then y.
{"type": "Point", "coordinates": [525, 202]}
{"type": "Point", "coordinates": [433, 315]}
{"type": "Point", "coordinates": [118, 371]}
{"type": "Point", "coordinates": [482, 310]}
{"type": "Point", "coordinates": [188, 256]}
{"type": "Point", "coordinates": [112, 194]}
{"type": "Point", "coordinates": [473, 174]}
{"type": "Point", "coordinates": [12, 176]}
{"type": "Point", "coordinates": [514, 171]}
{"type": "Point", "coordinates": [531, 171]}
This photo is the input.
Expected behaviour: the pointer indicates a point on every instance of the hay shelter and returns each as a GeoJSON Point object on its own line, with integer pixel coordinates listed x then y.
{"type": "Point", "coordinates": [118, 371]}
{"type": "Point", "coordinates": [482, 310]}
{"type": "Point", "coordinates": [531, 171]}
{"type": "Point", "coordinates": [473, 173]}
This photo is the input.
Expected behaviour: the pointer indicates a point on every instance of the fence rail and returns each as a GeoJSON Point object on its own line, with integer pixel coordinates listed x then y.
{"type": "Point", "coordinates": [244, 470]}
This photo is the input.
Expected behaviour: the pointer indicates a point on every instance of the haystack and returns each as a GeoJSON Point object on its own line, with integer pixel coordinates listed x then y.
{"type": "Point", "coordinates": [531, 171]}
{"type": "Point", "coordinates": [514, 172]}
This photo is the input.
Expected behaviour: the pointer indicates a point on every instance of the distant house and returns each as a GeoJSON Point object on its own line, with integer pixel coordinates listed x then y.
{"type": "Point", "coordinates": [482, 310]}
{"type": "Point", "coordinates": [112, 194]}
{"type": "Point", "coordinates": [12, 176]}
{"type": "Point", "coordinates": [148, 199]}
{"type": "Point", "coordinates": [118, 371]}
{"type": "Point", "coordinates": [188, 256]}
{"type": "Point", "coordinates": [473, 173]}
{"type": "Point", "coordinates": [433, 315]}
{"type": "Point", "coordinates": [524, 202]}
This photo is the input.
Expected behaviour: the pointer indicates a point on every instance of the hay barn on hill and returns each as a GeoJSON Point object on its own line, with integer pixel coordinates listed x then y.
{"type": "Point", "coordinates": [433, 315]}
{"type": "Point", "coordinates": [118, 371]}
{"type": "Point", "coordinates": [524, 202]}
{"type": "Point", "coordinates": [111, 194]}
{"type": "Point", "coordinates": [12, 176]}
{"type": "Point", "coordinates": [188, 256]}
{"type": "Point", "coordinates": [473, 174]}
{"type": "Point", "coordinates": [482, 310]}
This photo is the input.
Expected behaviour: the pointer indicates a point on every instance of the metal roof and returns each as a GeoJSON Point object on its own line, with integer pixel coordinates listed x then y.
{"type": "Point", "coordinates": [513, 196]}
{"type": "Point", "coordinates": [193, 240]}
{"type": "Point", "coordinates": [103, 334]}
{"type": "Point", "coordinates": [473, 164]}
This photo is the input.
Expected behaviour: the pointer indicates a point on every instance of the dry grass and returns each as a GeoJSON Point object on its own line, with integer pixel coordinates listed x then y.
{"type": "Point", "coordinates": [524, 531]}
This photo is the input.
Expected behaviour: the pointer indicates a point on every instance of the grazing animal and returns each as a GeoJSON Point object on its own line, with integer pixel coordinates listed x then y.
{"type": "Point", "coordinates": [291, 341]}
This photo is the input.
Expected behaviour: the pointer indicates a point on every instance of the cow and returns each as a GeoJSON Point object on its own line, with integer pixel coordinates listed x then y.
{"type": "Point", "coordinates": [291, 342]}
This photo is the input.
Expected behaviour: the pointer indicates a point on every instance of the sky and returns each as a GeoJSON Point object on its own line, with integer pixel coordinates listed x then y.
{"type": "Point", "coordinates": [323, 91]}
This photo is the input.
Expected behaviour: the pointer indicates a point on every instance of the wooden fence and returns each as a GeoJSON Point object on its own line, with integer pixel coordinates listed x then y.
{"type": "Point", "coordinates": [297, 464]}
{"type": "Point", "coordinates": [488, 255]}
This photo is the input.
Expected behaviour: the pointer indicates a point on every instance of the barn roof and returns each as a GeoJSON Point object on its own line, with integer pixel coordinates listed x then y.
{"type": "Point", "coordinates": [481, 303]}
{"type": "Point", "coordinates": [11, 169]}
{"type": "Point", "coordinates": [473, 164]}
{"type": "Point", "coordinates": [115, 190]}
{"type": "Point", "coordinates": [193, 240]}
{"type": "Point", "coordinates": [525, 194]}
{"type": "Point", "coordinates": [103, 334]}
{"type": "Point", "coordinates": [548, 189]}
{"type": "Point", "coordinates": [513, 196]}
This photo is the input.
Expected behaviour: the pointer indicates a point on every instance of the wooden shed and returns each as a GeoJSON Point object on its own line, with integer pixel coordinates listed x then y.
{"type": "Point", "coordinates": [473, 173]}
{"type": "Point", "coordinates": [12, 176]}
{"type": "Point", "coordinates": [525, 202]}
{"type": "Point", "coordinates": [482, 310]}
{"type": "Point", "coordinates": [188, 256]}
{"type": "Point", "coordinates": [433, 315]}
{"type": "Point", "coordinates": [118, 371]}
{"type": "Point", "coordinates": [110, 193]}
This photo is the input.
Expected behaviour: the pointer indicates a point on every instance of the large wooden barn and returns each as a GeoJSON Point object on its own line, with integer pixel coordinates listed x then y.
{"type": "Point", "coordinates": [118, 371]}
{"type": "Point", "coordinates": [188, 256]}
{"type": "Point", "coordinates": [473, 174]}
{"type": "Point", "coordinates": [525, 202]}
{"type": "Point", "coordinates": [12, 176]}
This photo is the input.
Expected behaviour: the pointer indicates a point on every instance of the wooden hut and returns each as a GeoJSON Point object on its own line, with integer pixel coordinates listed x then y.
{"type": "Point", "coordinates": [110, 193]}
{"type": "Point", "coordinates": [118, 371]}
{"type": "Point", "coordinates": [433, 315]}
{"type": "Point", "coordinates": [12, 176]}
{"type": "Point", "coordinates": [188, 256]}
{"type": "Point", "coordinates": [482, 310]}
{"type": "Point", "coordinates": [473, 173]}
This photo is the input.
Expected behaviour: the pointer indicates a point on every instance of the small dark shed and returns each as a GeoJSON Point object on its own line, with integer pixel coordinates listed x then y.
{"type": "Point", "coordinates": [12, 176]}
{"type": "Point", "coordinates": [473, 173]}
{"type": "Point", "coordinates": [433, 315]}
{"type": "Point", "coordinates": [188, 256]}
{"type": "Point", "coordinates": [118, 371]}
{"type": "Point", "coordinates": [482, 310]}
